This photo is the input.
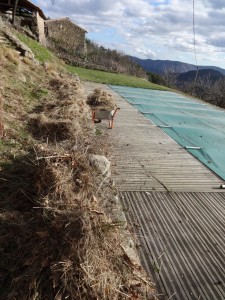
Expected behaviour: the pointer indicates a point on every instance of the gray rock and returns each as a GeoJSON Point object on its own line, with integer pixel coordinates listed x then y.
{"type": "Point", "coordinates": [118, 216]}
{"type": "Point", "coordinates": [128, 246]}
{"type": "Point", "coordinates": [115, 200]}
{"type": "Point", "coordinates": [24, 50]}
{"type": "Point", "coordinates": [101, 164]}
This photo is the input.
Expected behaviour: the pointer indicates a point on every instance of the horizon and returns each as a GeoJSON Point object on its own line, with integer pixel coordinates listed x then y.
{"type": "Point", "coordinates": [181, 62]}
{"type": "Point", "coordinates": [151, 29]}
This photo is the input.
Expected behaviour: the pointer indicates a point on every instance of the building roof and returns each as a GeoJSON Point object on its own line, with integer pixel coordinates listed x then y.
{"type": "Point", "coordinates": [27, 4]}
{"type": "Point", "coordinates": [24, 4]}
{"type": "Point", "coordinates": [64, 19]}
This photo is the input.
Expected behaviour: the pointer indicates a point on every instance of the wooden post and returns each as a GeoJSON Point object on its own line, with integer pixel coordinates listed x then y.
{"type": "Point", "coordinates": [14, 11]}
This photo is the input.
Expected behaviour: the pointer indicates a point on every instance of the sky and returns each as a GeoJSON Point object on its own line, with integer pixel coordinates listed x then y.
{"type": "Point", "coordinates": [155, 29]}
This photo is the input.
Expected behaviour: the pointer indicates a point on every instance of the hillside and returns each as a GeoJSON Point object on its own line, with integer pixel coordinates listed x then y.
{"type": "Point", "coordinates": [58, 239]}
{"type": "Point", "coordinates": [205, 75]}
{"type": "Point", "coordinates": [159, 66]}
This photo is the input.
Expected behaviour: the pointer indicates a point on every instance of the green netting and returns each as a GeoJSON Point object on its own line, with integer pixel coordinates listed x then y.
{"type": "Point", "coordinates": [198, 127]}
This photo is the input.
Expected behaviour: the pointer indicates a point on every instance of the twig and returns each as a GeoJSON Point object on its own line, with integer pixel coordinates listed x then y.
{"type": "Point", "coordinates": [122, 293]}
{"type": "Point", "coordinates": [172, 296]}
{"type": "Point", "coordinates": [97, 212]}
{"type": "Point", "coordinates": [144, 280]}
{"type": "Point", "coordinates": [53, 156]}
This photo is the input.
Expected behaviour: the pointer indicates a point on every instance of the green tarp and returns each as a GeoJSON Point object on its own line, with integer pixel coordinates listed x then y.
{"type": "Point", "coordinates": [197, 126]}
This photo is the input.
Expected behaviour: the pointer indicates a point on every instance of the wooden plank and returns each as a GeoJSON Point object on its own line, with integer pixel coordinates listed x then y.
{"type": "Point", "coordinates": [182, 241]}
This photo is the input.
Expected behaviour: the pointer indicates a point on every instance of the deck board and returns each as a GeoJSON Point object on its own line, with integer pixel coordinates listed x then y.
{"type": "Point", "coordinates": [182, 241]}
{"type": "Point", "coordinates": [174, 205]}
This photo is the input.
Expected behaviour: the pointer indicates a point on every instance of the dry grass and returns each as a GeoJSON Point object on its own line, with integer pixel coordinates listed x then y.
{"type": "Point", "coordinates": [101, 99]}
{"type": "Point", "coordinates": [9, 54]}
{"type": "Point", "coordinates": [28, 61]}
{"type": "Point", "coordinates": [56, 240]}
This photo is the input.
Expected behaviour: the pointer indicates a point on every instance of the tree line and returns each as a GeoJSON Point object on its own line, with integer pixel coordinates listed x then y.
{"type": "Point", "coordinates": [207, 87]}
{"type": "Point", "coordinates": [113, 60]}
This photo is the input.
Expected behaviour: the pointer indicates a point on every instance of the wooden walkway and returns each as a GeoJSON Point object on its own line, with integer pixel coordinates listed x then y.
{"type": "Point", "coordinates": [147, 159]}
{"type": "Point", "coordinates": [182, 241]}
{"type": "Point", "coordinates": [175, 205]}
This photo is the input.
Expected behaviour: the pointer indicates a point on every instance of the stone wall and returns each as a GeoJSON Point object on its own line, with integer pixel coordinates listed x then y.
{"type": "Point", "coordinates": [41, 29]}
{"type": "Point", "coordinates": [66, 34]}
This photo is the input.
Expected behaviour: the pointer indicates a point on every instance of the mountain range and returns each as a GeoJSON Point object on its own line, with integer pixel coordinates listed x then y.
{"type": "Point", "coordinates": [204, 75]}
{"type": "Point", "coordinates": [160, 66]}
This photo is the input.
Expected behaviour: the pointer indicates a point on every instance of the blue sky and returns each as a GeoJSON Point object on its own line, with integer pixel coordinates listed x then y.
{"type": "Point", "coordinates": [156, 29]}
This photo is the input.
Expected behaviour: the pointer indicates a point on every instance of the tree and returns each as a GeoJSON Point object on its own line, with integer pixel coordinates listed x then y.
{"type": "Point", "coordinates": [155, 78]}
{"type": "Point", "coordinates": [169, 76]}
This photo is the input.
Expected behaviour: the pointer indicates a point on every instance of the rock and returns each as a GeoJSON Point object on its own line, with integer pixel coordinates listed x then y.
{"type": "Point", "coordinates": [130, 253]}
{"type": "Point", "coordinates": [24, 50]}
{"type": "Point", "coordinates": [118, 216]}
{"type": "Point", "coordinates": [115, 200]}
{"type": "Point", "coordinates": [101, 164]}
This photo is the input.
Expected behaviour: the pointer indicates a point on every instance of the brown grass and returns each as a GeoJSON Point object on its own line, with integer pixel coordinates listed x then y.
{"type": "Point", "coordinates": [9, 54]}
{"type": "Point", "coordinates": [101, 99]}
{"type": "Point", "coordinates": [56, 239]}
{"type": "Point", "coordinates": [28, 61]}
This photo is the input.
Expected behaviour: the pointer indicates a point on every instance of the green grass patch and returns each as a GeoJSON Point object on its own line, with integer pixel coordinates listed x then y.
{"type": "Point", "coordinates": [40, 93]}
{"type": "Point", "coordinates": [113, 78]}
{"type": "Point", "coordinates": [41, 53]}
{"type": "Point", "coordinates": [44, 55]}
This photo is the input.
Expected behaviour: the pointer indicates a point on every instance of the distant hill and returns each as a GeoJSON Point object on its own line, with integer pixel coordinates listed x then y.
{"type": "Point", "coordinates": [159, 66]}
{"type": "Point", "coordinates": [205, 74]}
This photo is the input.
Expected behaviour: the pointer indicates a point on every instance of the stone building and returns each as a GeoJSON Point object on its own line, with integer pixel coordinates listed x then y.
{"type": "Point", "coordinates": [67, 35]}
{"type": "Point", "coordinates": [62, 32]}
{"type": "Point", "coordinates": [26, 15]}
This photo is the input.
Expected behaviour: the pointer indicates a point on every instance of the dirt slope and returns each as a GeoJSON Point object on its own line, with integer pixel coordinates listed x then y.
{"type": "Point", "coordinates": [56, 239]}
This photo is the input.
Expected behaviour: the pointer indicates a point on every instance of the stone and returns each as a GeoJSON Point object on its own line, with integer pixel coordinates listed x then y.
{"type": "Point", "coordinates": [24, 50]}
{"type": "Point", "coordinates": [130, 252]}
{"type": "Point", "coordinates": [118, 216]}
{"type": "Point", "coordinates": [114, 200]}
{"type": "Point", "coordinates": [101, 164]}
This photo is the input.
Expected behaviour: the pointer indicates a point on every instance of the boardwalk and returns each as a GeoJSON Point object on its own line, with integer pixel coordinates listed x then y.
{"type": "Point", "coordinates": [174, 204]}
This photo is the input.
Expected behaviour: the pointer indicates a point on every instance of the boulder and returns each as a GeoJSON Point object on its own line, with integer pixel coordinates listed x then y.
{"type": "Point", "coordinates": [101, 164]}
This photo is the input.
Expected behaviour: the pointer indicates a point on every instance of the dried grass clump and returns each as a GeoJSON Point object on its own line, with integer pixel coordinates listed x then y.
{"type": "Point", "coordinates": [101, 99]}
{"type": "Point", "coordinates": [70, 100]}
{"type": "Point", "coordinates": [64, 245]}
{"type": "Point", "coordinates": [52, 69]}
{"type": "Point", "coordinates": [64, 114]}
{"type": "Point", "coordinates": [28, 61]}
{"type": "Point", "coordinates": [52, 129]}
{"type": "Point", "coordinates": [11, 55]}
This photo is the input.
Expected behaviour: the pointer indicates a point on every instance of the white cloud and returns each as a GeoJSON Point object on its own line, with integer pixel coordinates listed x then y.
{"type": "Point", "coordinates": [150, 28]}
{"type": "Point", "coordinates": [145, 53]}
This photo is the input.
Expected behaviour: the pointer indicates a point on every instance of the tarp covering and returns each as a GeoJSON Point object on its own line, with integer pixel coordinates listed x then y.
{"type": "Point", "coordinates": [197, 126]}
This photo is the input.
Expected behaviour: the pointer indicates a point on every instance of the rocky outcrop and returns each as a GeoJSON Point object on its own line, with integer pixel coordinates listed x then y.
{"type": "Point", "coordinates": [21, 47]}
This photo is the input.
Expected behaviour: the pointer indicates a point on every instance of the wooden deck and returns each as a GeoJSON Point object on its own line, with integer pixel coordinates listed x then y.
{"type": "Point", "coordinates": [174, 204]}
{"type": "Point", "coordinates": [147, 159]}
{"type": "Point", "coordinates": [182, 241]}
